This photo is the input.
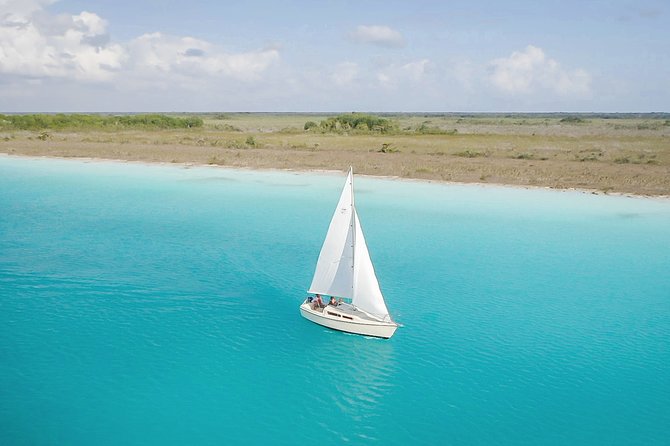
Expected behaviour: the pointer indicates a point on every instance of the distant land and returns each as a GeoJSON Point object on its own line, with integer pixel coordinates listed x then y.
{"type": "Point", "coordinates": [600, 152]}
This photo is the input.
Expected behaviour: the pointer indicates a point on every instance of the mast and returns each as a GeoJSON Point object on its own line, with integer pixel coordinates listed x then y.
{"type": "Point", "coordinates": [353, 234]}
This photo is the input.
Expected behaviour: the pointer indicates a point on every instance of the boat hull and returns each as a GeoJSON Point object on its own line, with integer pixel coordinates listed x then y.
{"type": "Point", "coordinates": [328, 318]}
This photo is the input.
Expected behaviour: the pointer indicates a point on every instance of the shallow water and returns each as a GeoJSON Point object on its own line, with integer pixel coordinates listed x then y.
{"type": "Point", "coordinates": [159, 304]}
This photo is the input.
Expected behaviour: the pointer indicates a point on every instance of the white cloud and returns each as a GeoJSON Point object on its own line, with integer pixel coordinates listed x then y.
{"type": "Point", "coordinates": [394, 75]}
{"type": "Point", "coordinates": [464, 73]}
{"type": "Point", "coordinates": [415, 70]}
{"type": "Point", "coordinates": [345, 73]}
{"type": "Point", "coordinates": [244, 66]}
{"type": "Point", "coordinates": [37, 44]}
{"type": "Point", "coordinates": [385, 80]}
{"type": "Point", "coordinates": [21, 8]}
{"type": "Point", "coordinates": [165, 58]}
{"type": "Point", "coordinates": [528, 71]}
{"type": "Point", "coordinates": [67, 46]}
{"type": "Point", "coordinates": [378, 35]}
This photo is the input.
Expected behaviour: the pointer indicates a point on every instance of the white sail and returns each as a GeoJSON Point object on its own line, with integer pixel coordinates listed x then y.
{"type": "Point", "coordinates": [367, 295]}
{"type": "Point", "coordinates": [334, 274]}
{"type": "Point", "coordinates": [344, 269]}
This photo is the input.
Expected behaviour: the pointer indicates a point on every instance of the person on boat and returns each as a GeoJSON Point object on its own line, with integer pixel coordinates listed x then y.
{"type": "Point", "coordinates": [334, 302]}
{"type": "Point", "coordinates": [317, 302]}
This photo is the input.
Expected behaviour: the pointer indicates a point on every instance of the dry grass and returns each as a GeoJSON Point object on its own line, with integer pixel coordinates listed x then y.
{"type": "Point", "coordinates": [621, 155]}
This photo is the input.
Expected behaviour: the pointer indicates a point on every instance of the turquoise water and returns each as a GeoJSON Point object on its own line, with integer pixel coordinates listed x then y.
{"type": "Point", "coordinates": [159, 305]}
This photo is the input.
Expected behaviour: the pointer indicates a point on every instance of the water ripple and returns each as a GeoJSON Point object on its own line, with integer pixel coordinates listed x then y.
{"type": "Point", "coordinates": [169, 304]}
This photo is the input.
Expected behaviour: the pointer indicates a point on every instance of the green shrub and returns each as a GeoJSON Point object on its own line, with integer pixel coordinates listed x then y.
{"type": "Point", "coordinates": [431, 130]}
{"type": "Point", "coordinates": [572, 120]}
{"type": "Point", "coordinates": [388, 148]}
{"type": "Point", "coordinates": [80, 121]}
{"type": "Point", "coordinates": [358, 122]}
{"type": "Point", "coordinates": [362, 126]}
{"type": "Point", "coordinates": [227, 128]}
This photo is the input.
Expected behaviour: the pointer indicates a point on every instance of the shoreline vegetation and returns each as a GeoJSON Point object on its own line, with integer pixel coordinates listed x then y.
{"type": "Point", "coordinates": [619, 153]}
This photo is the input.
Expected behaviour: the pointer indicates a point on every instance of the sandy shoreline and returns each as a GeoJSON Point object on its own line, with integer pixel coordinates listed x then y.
{"type": "Point", "coordinates": [335, 172]}
{"type": "Point", "coordinates": [625, 156]}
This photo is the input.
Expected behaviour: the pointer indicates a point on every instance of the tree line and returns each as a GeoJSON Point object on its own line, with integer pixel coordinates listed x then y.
{"type": "Point", "coordinates": [62, 121]}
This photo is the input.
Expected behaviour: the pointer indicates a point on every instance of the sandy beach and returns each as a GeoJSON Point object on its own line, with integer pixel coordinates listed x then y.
{"type": "Point", "coordinates": [624, 155]}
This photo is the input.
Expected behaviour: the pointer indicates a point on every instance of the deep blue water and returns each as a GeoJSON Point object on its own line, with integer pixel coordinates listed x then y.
{"type": "Point", "coordinates": [159, 305]}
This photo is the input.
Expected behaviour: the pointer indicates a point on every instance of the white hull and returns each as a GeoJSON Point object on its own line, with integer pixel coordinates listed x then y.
{"type": "Point", "coordinates": [345, 269]}
{"type": "Point", "coordinates": [348, 319]}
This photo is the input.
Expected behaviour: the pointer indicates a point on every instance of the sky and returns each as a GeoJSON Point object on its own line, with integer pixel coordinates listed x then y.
{"type": "Point", "coordinates": [334, 56]}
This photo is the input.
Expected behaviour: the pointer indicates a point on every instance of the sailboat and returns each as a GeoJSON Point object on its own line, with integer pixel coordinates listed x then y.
{"type": "Point", "coordinates": [344, 270]}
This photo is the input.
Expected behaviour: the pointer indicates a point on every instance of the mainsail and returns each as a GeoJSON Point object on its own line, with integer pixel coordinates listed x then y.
{"type": "Point", "coordinates": [344, 268]}
{"type": "Point", "coordinates": [334, 274]}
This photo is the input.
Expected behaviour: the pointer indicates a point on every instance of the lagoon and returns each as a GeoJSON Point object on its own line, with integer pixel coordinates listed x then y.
{"type": "Point", "coordinates": [159, 304]}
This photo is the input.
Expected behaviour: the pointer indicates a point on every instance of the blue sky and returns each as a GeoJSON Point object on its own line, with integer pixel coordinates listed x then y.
{"type": "Point", "coordinates": [474, 56]}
